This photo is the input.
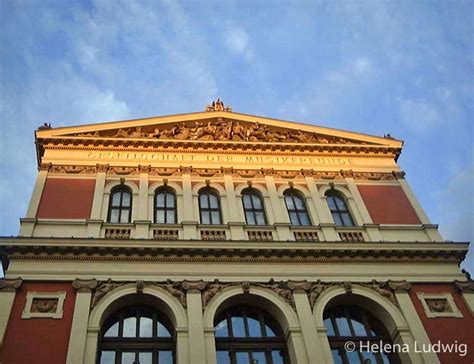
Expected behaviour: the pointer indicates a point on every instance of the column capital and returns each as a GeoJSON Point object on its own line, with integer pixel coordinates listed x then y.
{"type": "Point", "coordinates": [101, 167]}
{"type": "Point", "coordinates": [10, 285]}
{"type": "Point", "coordinates": [194, 286]}
{"type": "Point", "coordinates": [299, 286]}
{"type": "Point", "coordinates": [84, 285]}
{"type": "Point", "coordinates": [464, 287]}
{"type": "Point", "coordinates": [399, 286]}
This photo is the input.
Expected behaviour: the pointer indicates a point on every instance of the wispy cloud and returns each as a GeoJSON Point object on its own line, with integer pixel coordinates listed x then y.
{"type": "Point", "coordinates": [236, 40]}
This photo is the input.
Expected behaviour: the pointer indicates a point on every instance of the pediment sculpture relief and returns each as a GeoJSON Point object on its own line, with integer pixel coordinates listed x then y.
{"type": "Point", "coordinates": [223, 130]}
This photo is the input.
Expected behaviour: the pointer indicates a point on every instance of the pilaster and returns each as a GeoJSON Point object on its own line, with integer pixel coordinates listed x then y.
{"type": "Point", "coordinates": [415, 325]}
{"type": "Point", "coordinates": [8, 288]}
{"type": "Point", "coordinates": [96, 211]}
{"type": "Point", "coordinates": [143, 194]}
{"type": "Point", "coordinates": [195, 320]}
{"type": "Point", "coordinates": [77, 340]}
{"type": "Point", "coordinates": [37, 192]}
{"type": "Point", "coordinates": [361, 209]}
{"type": "Point", "coordinates": [413, 200]}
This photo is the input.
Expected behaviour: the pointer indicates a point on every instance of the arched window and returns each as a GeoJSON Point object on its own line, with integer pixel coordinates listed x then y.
{"type": "Point", "coordinates": [165, 206]}
{"type": "Point", "coordinates": [296, 208]}
{"type": "Point", "coordinates": [138, 334]}
{"type": "Point", "coordinates": [209, 207]}
{"type": "Point", "coordinates": [246, 334]}
{"type": "Point", "coordinates": [354, 324]}
{"type": "Point", "coordinates": [120, 205]}
{"type": "Point", "coordinates": [339, 210]}
{"type": "Point", "coordinates": [253, 207]}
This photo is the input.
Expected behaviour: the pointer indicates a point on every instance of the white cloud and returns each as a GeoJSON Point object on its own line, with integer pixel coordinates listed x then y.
{"type": "Point", "coordinates": [237, 41]}
{"type": "Point", "coordinates": [419, 114]}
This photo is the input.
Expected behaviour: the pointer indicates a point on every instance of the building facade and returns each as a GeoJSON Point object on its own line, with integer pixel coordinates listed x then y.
{"type": "Point", "coordinates": [220, 237]}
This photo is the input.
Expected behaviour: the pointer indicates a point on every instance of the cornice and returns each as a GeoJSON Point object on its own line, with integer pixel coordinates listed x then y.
{"type": "Point", "coordinates": [235, 251]}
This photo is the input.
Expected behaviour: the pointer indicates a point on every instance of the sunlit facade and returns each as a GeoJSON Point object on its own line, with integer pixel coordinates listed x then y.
{"type": "Point", "coordinates": [226, 238]}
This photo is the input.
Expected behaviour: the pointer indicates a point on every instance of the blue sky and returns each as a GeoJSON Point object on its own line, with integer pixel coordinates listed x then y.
{"type": "Point", "coordinates": [377, 67]}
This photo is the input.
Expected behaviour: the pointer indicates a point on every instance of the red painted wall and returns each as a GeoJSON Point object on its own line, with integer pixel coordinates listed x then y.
{"type": "Point", "coordinates": [38, 340]}
{"type": "Point", "coordinates": [388, 205]}
{"type": "Point", "coordinates": [447, 330]}
{"type": "Point", "coordinates": [66, 198]}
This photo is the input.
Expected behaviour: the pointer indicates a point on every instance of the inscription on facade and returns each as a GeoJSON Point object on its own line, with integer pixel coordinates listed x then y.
{"type": "Point", "coordinates": [219, 158]}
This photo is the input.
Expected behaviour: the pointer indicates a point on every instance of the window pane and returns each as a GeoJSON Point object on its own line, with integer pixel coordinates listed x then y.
{"type": "Point", "coordinates": [260, 217]}
{"type": "Point", "coordinates": [213, 202]}
{"type": "Point", "coordinates": [169, 200]}
{"type": "Point", "coordinates": [160, 200]}
{"type": "Point", "coordinates": [145, 358]}
{"type": "Point", "coordinates": [130, 327]}
{"type": "Point", "coordinates": [299, 203]}
{"type": "Point", "coordinates": [114, 216]}
{"type": "Point", "coordinates": [107, 357]}
{"type": "Point", "coordinates": [250, 218]}
{"type": "Point", "coordinates": [329, 327]}
{"type": "Point", "coordinates": [289, 202]}
{"type": "Point", "coordinates": [343, 326]}
{"type": "Point", "coordinates": [254, 327]}
{"type": "Point", "coordinates": [242, 358]}
{"type": "Point", "coordinates": [165, 357]}
{"type": "Point", "coordinates": [247, 202]}
{"type": "Point", "coordinates": [205, 217]}
{"type": "Point", "coordinates": [371, 356]}
{"type": "Point", "coordinates": [170, 217]}
{"type": "Point", "coordinates": [359, 328]}
{"type": "Point", "coordinates": [341, 204]}
{"type": "Point", "coordinates": [346, 218]}
{"type": "Point", "coordinates": [336, 356]}
{"type": "Point", "coordinates": [112, 331]}
{"type": "Point", "coordinates": [337, 219]}
{"type": "Point", "coordinates": [259, 356]}
{"type": "Point", "coordinates": [160, 217]}
{"type": "Point", "coordinates": [294, 218]}
{"type": "Point", "coordinates": [277, 357]}
{"type": "Point", "coordinates": [162, 330]}
{"type": "Point", "coordinates": [128, 358]}
{"type": "Point", "coordinates": [146, 327]}
{"type": "Point", "coordinates": [331, 203]}
{"type": "Point", "coordinates": [269, 331]}
{"type": "Point", "coordinates": [126, 199]}
{"type": "Point", "coordinates": [257, 202]}
{"type": "Point", "coordinates": [203, 200]}
{"type": "Point", "coordinates": [124, 217]}
{"type": "Point", "coordinates": [222, 329]}
{"type": "Point", "coordinates": [304, 219]}
{"type": "Point", "coordinates": [216, 219]}
{"type": "Point", "coordinates": [223, 357]}
{"type": "Point", "coordinates": [353, 356]}
{"type": "Point", "coordinates": [238, 326]}
{"type": "Point", "coordinates": [116, 199]}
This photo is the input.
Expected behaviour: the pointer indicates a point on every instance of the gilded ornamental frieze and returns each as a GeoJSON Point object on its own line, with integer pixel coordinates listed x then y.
{"type": "Point", "coordinates": [219, 172]}
{"type": "Point", "coordinates": [220, 129]}
{"type": "Point", "coordinates": [210, 289]}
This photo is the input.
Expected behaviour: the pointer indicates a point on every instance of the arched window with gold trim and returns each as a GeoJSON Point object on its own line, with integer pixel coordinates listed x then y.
{"type": "Point", "coordinates": [247, 334]}
{"type": "Point", "coordinates": [338, 207]}
{"type": "Point", "coordinates": [120, 205]}
{"type": "Point", "coordinates": [296, 206]}
{"type": "Point", "coordinates": [165, 206]}
{"type": "Point", "coordinates": [137, 335]}
{"type": "Point", "coordinates": [349, 327]}
{"type": "Point", "coordinates": [210, 207]}
{"type": "Point", "coordinates": [253, 207]}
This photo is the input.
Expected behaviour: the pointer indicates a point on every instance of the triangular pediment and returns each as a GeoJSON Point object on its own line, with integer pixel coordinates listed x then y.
{"type": "Point", "coordinates": [218, 126]}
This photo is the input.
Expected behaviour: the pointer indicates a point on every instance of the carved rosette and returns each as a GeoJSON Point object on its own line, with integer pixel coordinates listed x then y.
{"type": "Point", "coordinates": [10, 285]}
